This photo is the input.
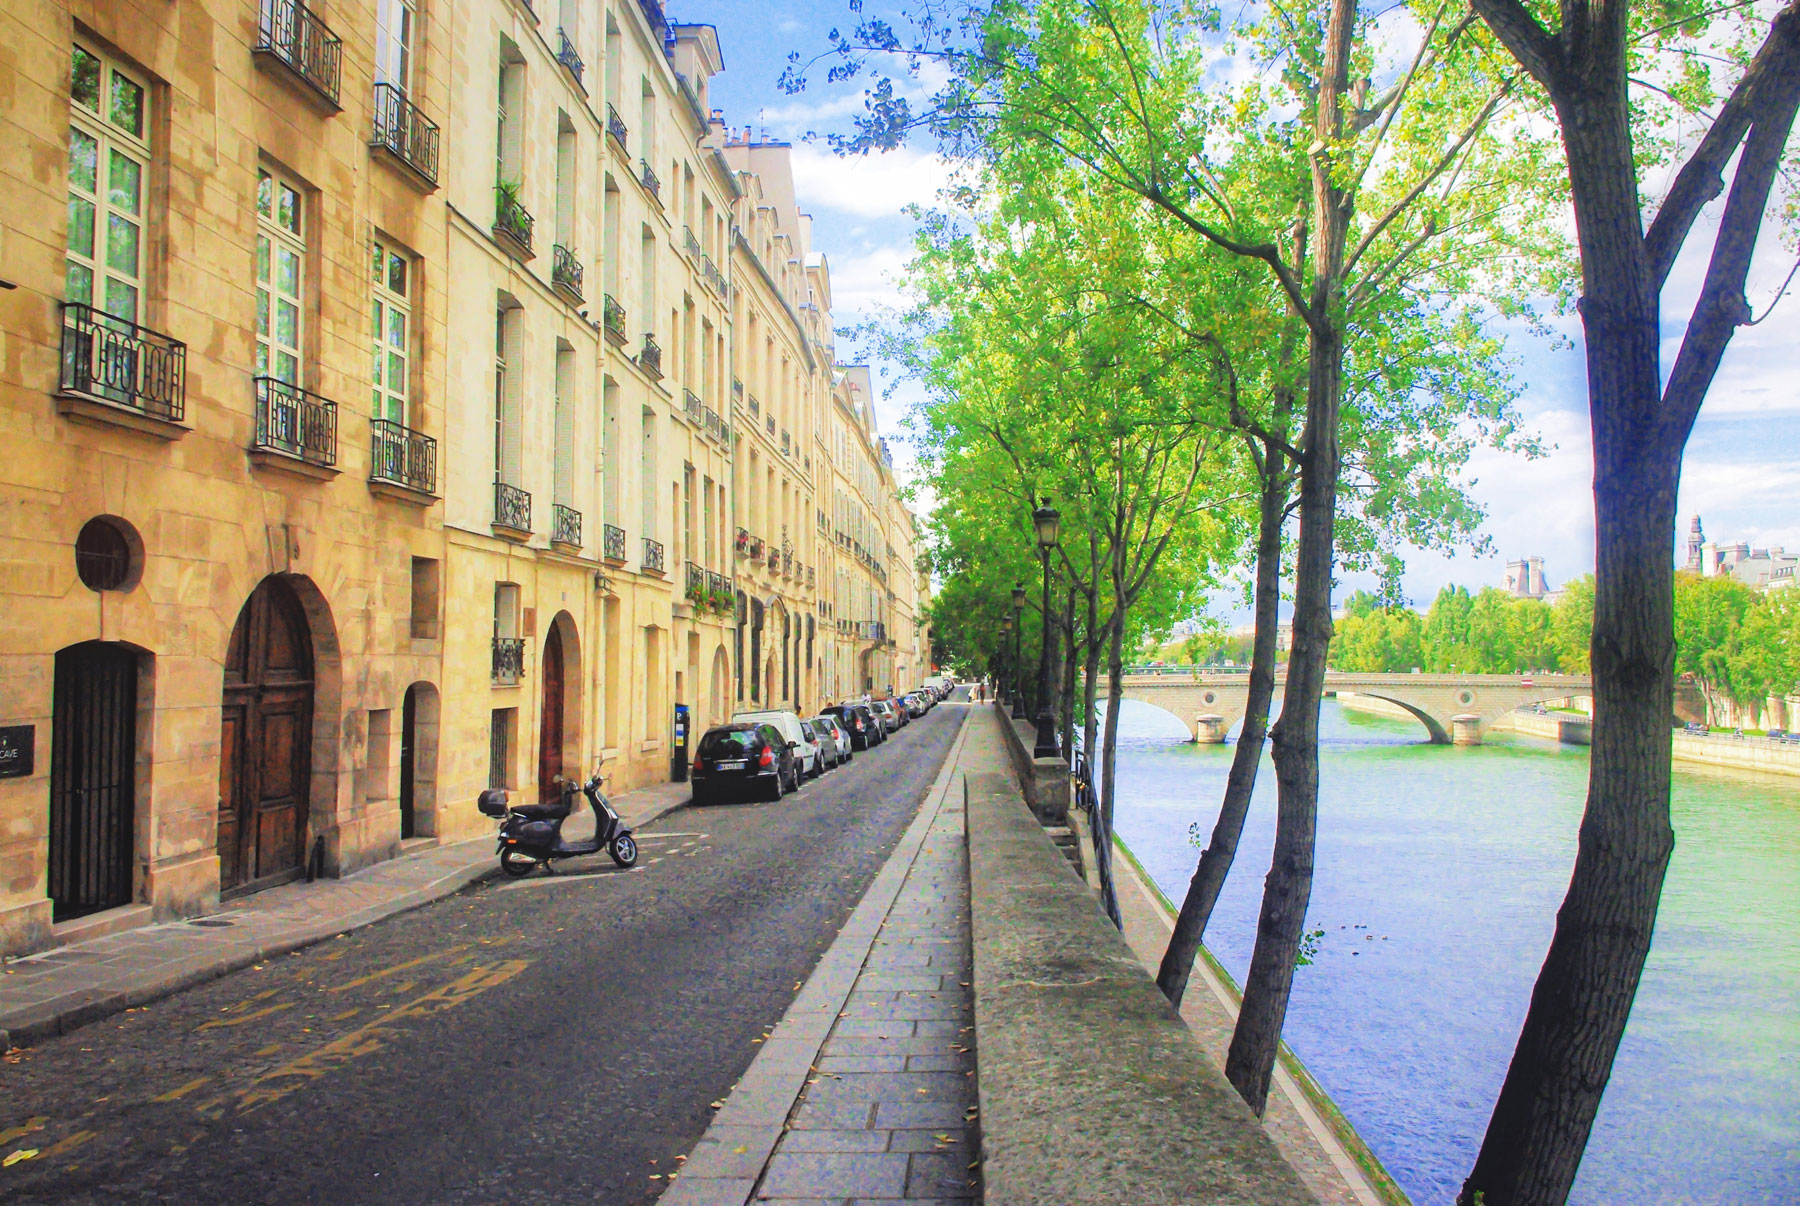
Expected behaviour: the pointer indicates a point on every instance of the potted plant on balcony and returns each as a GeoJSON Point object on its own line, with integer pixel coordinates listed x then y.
{"type": "Point", "coordinates": [722, 601]}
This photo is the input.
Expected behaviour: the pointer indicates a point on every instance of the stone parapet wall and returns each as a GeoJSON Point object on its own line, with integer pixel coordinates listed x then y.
{"type": "Point", "coordinates": [1048, 790]}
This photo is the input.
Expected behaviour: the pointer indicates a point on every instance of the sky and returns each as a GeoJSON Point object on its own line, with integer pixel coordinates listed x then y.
{"type": "Point", "coordinates": [1742, 469]}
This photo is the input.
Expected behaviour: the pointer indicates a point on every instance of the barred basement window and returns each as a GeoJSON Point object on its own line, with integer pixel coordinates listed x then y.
{"type": "Point", "coordinates": [108, 554]}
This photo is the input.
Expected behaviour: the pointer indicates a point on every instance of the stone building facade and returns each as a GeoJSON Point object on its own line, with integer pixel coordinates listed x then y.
{"type": "Point", "coordinates": [389, 390]}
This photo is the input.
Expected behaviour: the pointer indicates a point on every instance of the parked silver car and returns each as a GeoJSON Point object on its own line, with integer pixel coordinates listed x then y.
{"type": "Point", "coordinates": [834, 742]}
{"type": "Point", "coordinates": [888, 714]}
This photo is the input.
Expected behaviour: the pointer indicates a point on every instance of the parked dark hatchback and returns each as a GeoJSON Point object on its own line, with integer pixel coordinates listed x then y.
{"type": "Point", "coordinates": [749, 758]}
{"type": "Point", "coordinates": [859, 722]}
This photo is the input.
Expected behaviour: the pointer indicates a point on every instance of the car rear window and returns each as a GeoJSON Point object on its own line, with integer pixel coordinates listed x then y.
{"type": "Point", "coordinates": [824, 728]}
{"type": "Point", "coordinates": [727, 739]}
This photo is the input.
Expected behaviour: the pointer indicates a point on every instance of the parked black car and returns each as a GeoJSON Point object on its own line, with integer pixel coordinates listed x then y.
{"type": "Point", "coordinates": [750, 758]}
{"type": "Point", "coordinates": [859, 722]}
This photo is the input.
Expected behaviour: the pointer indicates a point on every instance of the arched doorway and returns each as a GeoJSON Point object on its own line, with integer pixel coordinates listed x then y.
{"type": "Point", "coordinates": [93, 778]}
{"type": "Point", "coordinates": [550, 719]}
{"type": "Point", "coordinates": [418, 761]}
{"type": "Point", "coordinates": [718, 702]}
{"type": "Point", "coordinates": [265, 742]}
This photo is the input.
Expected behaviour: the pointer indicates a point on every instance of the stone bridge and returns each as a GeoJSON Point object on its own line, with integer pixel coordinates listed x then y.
{"type": "Point", "coordinates": [1452, 707]}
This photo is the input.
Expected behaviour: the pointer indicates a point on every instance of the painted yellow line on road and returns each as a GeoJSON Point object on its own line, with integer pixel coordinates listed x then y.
{"type": "Point", "coordinates": [366, 1040]}
{"type": "Point", "coordinates": [344, 1016]}
{"type": "Point", "coordinates": [68, 1144]}
{"type": "Point", "coordinates": [398, 967]}
{"type": "Point", "coordinates": [176, 1094]}
{"type": "Point", "coordinates": [35, 1123]}
{"type": "Point", "coordinates": [240, 1019]}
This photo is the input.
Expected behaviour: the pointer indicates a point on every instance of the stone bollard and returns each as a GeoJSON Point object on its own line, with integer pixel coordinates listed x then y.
{"type": "Point", "coordinates": [1465, 729]}
{"type": "Point", "coordinates": [1209, 729]}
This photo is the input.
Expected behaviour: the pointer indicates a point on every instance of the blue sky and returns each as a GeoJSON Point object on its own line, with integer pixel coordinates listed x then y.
{"type": "Point", "coordinates": [1742, 471]}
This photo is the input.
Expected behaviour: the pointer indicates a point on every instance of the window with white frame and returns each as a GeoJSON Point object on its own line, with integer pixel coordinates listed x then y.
{"type": "Point", "coordinates": [280, 276]}
{"type": "Point", "coordinates": [395, 21]}
{"type": "Point", "coordinates": [109, 174]}
{"type": "Point", "coordinates": [390, 313]}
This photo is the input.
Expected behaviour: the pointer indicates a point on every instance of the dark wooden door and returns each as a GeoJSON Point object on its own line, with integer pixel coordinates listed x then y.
{"type": "Point", "coordinates": [550, 720]}
{"type": "Point", "coordinates": [265, 754]}
{"type": "Point", "coordinates": [93, 769]}
{"type": "Point", "coordinates": [409, 745]}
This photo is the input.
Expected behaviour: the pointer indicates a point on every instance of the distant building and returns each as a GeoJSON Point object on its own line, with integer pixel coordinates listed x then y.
{"type": "Point", "coordinates": [1772, 568]}
{"type": "Point", "coordinates": [1525, 579]}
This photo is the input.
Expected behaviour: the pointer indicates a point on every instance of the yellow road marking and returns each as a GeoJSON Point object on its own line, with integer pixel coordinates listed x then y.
{"type": "Point", "coordinates": [69, 1144]}
{"type": "Point", "coordinates": [176, 1094]}
{"type": "Point", "coordinates": [247, 1002]}
{"type": "Point", "coordinates": [366, 1040]}
{"type": "Point", "coordinates": [221, 1023]}
{"type": "Point", "coordinates": [344, 1016]}
{"type": "Point", "coordinates": [271, 1049]}
{"type": "Point", "coordinates": [388, 971]}
{"type": "Point", "coordinates": [35, 1123]}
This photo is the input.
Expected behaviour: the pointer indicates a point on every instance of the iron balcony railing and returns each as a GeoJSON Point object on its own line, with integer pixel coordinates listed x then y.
{"type": "Point", "coordinates": [755, 406]}
{"type": "Point", "coordinates": [717, 583]}
{"type": "Point", "coordinates": [511, 219]}
{"type": "Point", "coordinates": [404, 132]}
{"type": "Point", "coordinates": [509, 660]}
{"type": "Point", "coordinates": [696, 409]}
{"type": "Point", "coordinates": [295, 422]}
{"type": "Point", "coordinates": [774, 559]}
{"type": "Point", "coordinates": [567, 55]}
{"type": "Point", "coordinates": [659, 23]}
{"type": "Point", "coordinates": [615, 126]}
{"type": "Point", "coordinates": [402, 456]}
{"type": "Point", "coordinates": [512, 507]}
{"type": "Point", "coordinates": [565, 270]}
{"type": "Point", "coordinates": [715, 425]}
{"type": "Point", "coordinates": [743, 540]}
{"type": "Point", "coordinates": [565, 525]}
{"type": "Point", "coordinates": [689, 242]}
{"type": "Point", "coordinates": [612, 319]}
{"type": "Point", "coordinates": [650, 357]}
{"type": "Point", "coordinates": [737, 389]}
{"type": "Point", "coordinates": [653, 555]}
{"type": "Point", "coordinates": [786, 444]}
{"type": "Point", "coordinates": [810, 580]}
{"type": "Point", "coordinates": [612, 542]}
{"type": "Point", "coordinates": [651, 184]}
{"type": "Point", "coordinates": [107, 359]}
{"type": "Point", "coordinates": [771, 422]}
{"type": "Point", "coordinates": [756, 548]}
{"type": "Point", "coordinates": [291, 34]}
{"type": "Point", "coordinates": [696, 580]}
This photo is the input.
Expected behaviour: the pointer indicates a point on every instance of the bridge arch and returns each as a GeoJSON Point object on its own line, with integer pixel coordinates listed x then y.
{"type": "Point", "coordinates": [1435, 727]}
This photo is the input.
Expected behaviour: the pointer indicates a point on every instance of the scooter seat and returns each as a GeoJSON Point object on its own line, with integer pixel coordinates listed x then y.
{"type": "Point", "coordinates": [542, 812]}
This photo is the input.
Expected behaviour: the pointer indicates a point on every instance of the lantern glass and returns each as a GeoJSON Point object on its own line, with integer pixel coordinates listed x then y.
{"type": "Point", "coordinates": [1018, 598]}
{"type": "Point", "coordinates": [1048, 522]}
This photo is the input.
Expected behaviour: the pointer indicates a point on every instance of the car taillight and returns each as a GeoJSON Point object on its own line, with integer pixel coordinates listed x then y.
{"type": "Point", "coordinates": [768, 757]}
{"type": "Point", "coordinates": [699, 765]}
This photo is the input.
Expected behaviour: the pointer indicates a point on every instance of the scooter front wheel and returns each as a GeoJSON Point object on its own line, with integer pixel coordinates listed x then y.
{"type": "Point", "coordinates": [517, 865]}
{"type": "Point", "coordinates": [624, 850]}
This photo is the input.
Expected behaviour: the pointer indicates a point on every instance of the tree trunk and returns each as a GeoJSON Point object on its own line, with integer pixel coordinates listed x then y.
{"type": "Point", "coordinates": [1103, 814]}
{"type": "Point", "coordinates": [1584, 991]}
{"type": "Point", "coordinates": [1066, 732]}
{"type": "Point", "coordinates": [1215, 860]}
{"type": "Point", "coordinates": [1090, 719]}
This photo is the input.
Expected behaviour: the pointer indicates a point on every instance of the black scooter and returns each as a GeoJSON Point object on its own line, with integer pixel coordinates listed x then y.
{"type": "Point", "coordinates": [531, 834]}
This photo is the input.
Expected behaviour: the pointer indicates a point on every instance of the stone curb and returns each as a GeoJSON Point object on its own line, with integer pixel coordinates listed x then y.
{"type": "Point", "coordinates": [724, 1167]}
{"type": "Point", "coordinates": [34, 1023]}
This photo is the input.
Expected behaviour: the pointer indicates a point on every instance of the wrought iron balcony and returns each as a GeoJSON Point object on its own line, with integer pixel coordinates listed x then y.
{"type": "Point", "coordinates": [696, 409]}
{"type": "Point", "coordinates": [786, 443]}
{"type": "Point", "coordinates": [565, 525]}
{"type": "Point", "coordinates": [653, 556]}
{"type": "Point", "coordinates": [774, 559]}
{"type": "Point", "coordinates": [566, 53]}
{"type": "Point", "coordinates": [737, 389]}
{"type": "Point", "coordinates": [650, 356]}
{"type": "Point", "coordinates": [512, 221]}
{"type": "Point", "coordinates": [771, 422]}
{"type": "Point", "coordinates": [755, 406]}
{"type": "Point", "coordinates": [402, 456]}
{"type": "Point", "coordinates": [811, 580]}
{"type": "Point", "coordinates": [743, 541]}
{"type": "Point", "coordinates": [717, 583]}
{"type": "Point", "coordinates": [647, 177]}
{"type": "Point", "coordinates": [715, 426]}
{"type": "Point", "coordinates": [616, 127]}
{"type": "Point", "coordinates": [404, 132]}
{"type": "Point", "coordinates": [565, 271]}
{"type": "Point", "coordinates": [696, 580]}
{"type": "Point", "coordinates": [294, 422]}
{"type": "Point", "coordinates": [512, 508]}
{"type": "Point", "coordinates": [612, 319]}
{"type": "Point", "coordinates": [291, 34]}
{"type": "Point", "coordinates": [509, 660]}
{"type": "Point", "coordinates": [612, 542]}
{"type": "Point", "coordinates": [106, 359]}
{"type": "Point", "coordinates": [756, 548]}
{"type": "Point", "coordinates": [689, 242]}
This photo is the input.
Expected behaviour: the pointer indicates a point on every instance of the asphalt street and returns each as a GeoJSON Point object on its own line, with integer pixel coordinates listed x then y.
{"type": "Point", "coordinates": [553, 1039]}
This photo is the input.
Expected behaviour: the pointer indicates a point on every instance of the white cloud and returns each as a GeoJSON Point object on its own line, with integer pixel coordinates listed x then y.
{"type": "Point", "coordinates": [861, 284]}
{"type": "Point", "coordinates": [869, 186]}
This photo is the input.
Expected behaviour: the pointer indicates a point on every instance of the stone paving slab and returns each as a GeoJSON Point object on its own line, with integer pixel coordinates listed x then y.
{"type": "Point", "coordinates": [62, 989]}
{"type": "Point", "coordinates": [885, 1112]}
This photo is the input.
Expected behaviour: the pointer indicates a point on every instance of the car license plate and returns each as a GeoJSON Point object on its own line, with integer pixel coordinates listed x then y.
{"type": "Point", "coordinates": [729, 765]}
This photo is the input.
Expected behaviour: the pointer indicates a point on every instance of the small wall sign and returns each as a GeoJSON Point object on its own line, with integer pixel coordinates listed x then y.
{"type": "Point", "coordinates": [17, 744]}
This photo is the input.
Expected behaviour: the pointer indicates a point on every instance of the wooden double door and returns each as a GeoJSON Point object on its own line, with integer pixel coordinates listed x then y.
{"type": "Point", "coordinates": [265, 755]}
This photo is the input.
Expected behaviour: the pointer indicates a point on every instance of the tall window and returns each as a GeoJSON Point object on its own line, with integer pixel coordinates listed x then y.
{"type": "Point", "coordinates": [647, 474]}
{"type": "Point", "coordinates": [506, 395]}
{"type": "Point", "coordinates": [394, 22]}
{"type": "Point", "coordinates": [563, 481]}
{"type": "Point", "coordinates": [610, 467]}
{"type": "Point", "coordinates": [109, 159]}
{"type": "Point", "coordinates": [280, 276]}
{"type": "Point", "coordinates": [509, 150]}
{"type": "Point", "coordinates": [647, 276]}
{"type": "Point", "coordinates": [391, 330]}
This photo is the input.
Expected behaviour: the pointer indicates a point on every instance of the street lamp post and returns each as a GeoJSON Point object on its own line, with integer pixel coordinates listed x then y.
{"type": "Point", "coordinates": [1018, 603]}
{"type": "Point", "coordinates": [1046, 521]}
{"type": "Point", "coordinates": [1004, 682]}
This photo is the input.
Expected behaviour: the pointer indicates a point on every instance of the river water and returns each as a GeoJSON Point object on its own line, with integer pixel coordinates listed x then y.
{"type": "Point", "coordinates": [1438, 878]}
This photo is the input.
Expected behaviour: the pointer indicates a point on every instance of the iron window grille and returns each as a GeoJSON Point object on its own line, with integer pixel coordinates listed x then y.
{"type": "Point", "coordinates": [402, 456]}
{"type": "Point", "coordinates": [512, 507]}
{"type": "Point", "coordinates": [509, 660]}
{"type": "Point", "coordinates": [294, 422]}
{"type": "Point", "coordinates": [653, 555]}
{"type": "Point", "coordinates": [293, 35]}
{"type": "Point", "coordinates": [107, 359]}
{"type": "Point", "coordinates": [612, 542]}
{"type": "Point", "coordinates": [565, 525]}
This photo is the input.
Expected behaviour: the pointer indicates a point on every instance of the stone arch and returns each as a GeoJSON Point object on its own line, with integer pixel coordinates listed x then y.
{"type": "Point", "coordinates": [1433, 726]}
{"type": "Point", "coordinates": [420, 712]}
{"type": "Point", "coordinates": [718, 700]}
{"type": "Point", "coordinates": [567, 753]}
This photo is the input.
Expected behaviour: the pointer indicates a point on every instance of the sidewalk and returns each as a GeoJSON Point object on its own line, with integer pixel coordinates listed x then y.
{"type": "Point", "coordinates": [865, 1092]}
{"type": "Point", "coordinates": [67, 987]}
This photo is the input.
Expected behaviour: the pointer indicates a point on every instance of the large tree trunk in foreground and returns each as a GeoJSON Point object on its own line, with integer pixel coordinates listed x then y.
{"type": "Point", "coordinates": [1215, 860]}
{"type": "Point", "coordinates": [1102, 816]}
